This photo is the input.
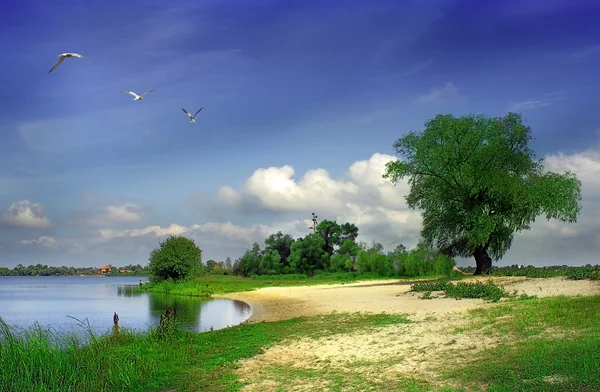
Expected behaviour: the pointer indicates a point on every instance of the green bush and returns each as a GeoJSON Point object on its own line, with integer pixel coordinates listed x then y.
{"type": "Point", "coordinates": [460, 290]}
{"type": "Point", "coordinates": [176, 258]}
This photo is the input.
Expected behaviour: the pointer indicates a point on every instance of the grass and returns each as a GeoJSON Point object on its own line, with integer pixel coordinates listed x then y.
{"type": "Point", "coordinates": [554, 345]}
{"type": "Point", "coordinates": [547, 344]}
{"type": "Point", "coordinates": [208, 285]}
{"type": "Point", "coordinates": [151, 361]}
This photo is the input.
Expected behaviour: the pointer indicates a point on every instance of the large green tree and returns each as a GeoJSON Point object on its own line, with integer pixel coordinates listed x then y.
{"type": "Point", "coordinates": [176, 258]}
{"type": "Point", "coordinates": [477, 183]}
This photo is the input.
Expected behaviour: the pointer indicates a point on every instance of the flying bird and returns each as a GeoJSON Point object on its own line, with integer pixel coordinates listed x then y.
{"type": "Point", "coordinates": [64, 56]}
{"type": "Point", "coordinates": [137, 97]}
{"type": "Point", "coordinates": [192, 118]}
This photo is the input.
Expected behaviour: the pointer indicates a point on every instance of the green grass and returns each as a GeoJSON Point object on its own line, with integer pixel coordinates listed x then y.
{"type": "Point", "coordinates": [554, 345]}
{"type": "Point", "coordinates": [208, 285]}
{"type": "Point", "coordinates": [151, 361]}
{"type": "Point", "coordinates": [548, 344]}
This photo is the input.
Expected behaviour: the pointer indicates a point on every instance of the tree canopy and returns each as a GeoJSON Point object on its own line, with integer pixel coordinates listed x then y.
{"type": "Point", "coordinates": [176, 258]}
{"type": "Point", "coordinates": [477, 183]}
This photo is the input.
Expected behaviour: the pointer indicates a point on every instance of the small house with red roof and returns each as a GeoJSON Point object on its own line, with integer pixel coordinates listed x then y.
{"type": "Point", "coordinates": [105, 269]}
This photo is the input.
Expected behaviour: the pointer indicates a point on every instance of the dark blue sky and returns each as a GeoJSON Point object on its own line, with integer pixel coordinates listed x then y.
{"type": "Point", "coordinates": [311, 84]}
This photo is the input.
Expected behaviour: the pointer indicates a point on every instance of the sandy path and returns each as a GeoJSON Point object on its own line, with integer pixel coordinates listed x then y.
{"type": "Point", "coordinates": [280, 303]}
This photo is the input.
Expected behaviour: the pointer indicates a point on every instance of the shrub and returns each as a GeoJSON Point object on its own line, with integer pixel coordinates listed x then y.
{"type": "Point", "coordinates": [176, 258]}
{"type": "Point", "coordinates": [460, 290]}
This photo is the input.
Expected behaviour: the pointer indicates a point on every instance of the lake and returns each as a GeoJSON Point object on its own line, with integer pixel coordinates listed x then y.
{"type": "Point", "coordinates": [50, 300]}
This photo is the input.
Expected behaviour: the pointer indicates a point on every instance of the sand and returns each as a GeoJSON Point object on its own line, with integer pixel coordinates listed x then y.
{"type": "Point", "coordinates": [280, 303]}
{"type": "Point", "coordinates": [415, 350]}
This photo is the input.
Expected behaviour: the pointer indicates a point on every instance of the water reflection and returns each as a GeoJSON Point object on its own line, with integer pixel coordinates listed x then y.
{"type": "Point", "coordinates": [187, 309]}
{"type": "Point", "coordinates": [199, 315]}
{"type": "Point", "coordinates": [193, 313]}
{"type": "Point", "coordinates": [221, 313]}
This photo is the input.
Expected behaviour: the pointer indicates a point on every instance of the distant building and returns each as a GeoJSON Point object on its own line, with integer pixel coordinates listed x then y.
{"type": "Point", "coordinates": [105, 269]}
{"type": "Point", "coordinates": [125, 271]}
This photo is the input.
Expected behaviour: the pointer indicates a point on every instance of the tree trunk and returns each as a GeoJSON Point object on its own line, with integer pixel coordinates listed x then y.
{"type": "Point", "coordinates": [483, 261]}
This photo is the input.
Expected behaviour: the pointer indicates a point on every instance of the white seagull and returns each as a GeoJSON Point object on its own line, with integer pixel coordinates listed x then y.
{"type": "Point", "coordinates": [137, 97]}
{"type": "Point", "coordinates": [65, 56]}
{"type": "Point", "coordinates": [192, 118]}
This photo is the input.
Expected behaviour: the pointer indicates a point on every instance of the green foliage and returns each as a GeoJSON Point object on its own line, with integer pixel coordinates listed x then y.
{"type": "Point", "coordinates": [281, 243]}
{"type": "Point", "coordinates": [270, 263]}
{"type": "Point", "coordinates": [308, 255]}
{"type": "Point", "coordinates": [459, 290]}
{"type": "Point", "coordinates": [435, 285]}
{"type": "Point", "coordinates": [373, 260]}
{"type": "Point", "coordinates": [334, 235]}
{"type": "Point", "coordinates": [249, 263]}
{"type": "Point", "coordinates": [176, 258]}
{"type": "Point", "coordinates": [340, 262]}
{"type": "Point", "coordinates": [423, 261]}
{"type": "Point", "coordinates": [591, 273]}
{"type": "Point", "coordinates": [330, 231]}
{"type": "Point", "coordinates": [477, 183]}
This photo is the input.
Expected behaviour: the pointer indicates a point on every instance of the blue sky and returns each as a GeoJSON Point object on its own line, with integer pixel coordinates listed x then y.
{"type": "Point", "coordinates": [318, 88]}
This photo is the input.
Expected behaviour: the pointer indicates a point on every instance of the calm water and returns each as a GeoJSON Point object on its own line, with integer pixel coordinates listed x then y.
{"type": "Point", "coordinates": [50, 300]}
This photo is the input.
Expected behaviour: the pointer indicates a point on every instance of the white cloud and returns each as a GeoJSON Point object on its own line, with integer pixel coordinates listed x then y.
{"type": "Point", "coordinates": [25, 214]}
{"type": "Point", "coordinates": [527, 105]}
{"type": "Point", "coordinates": [447, 93]}
{"type": "Point", "coordinates": [105, 212]}
{"type": "Point", "coordinates": [43, 241]}
{"type": "Point", "coordinates": [156, 231]}
{"type": "Point", "coordinates": [547, 100]}
{"type": "Point", "coordinates": [363, 197]}
{"type": "Point", "coordinates": [52, 243]}
{"type": "Point", "coordinates": [117, 213]}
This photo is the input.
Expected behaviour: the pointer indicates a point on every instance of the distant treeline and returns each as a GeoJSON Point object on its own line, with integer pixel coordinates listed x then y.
{"type": "Point", "coordinates": [333, 248]}
{"type": "Point", "coordinates": [45, 270]}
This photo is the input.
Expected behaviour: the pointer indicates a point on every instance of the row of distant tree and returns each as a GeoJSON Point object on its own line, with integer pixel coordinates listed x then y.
{"type": "Point", "coordinates": [46, 270]}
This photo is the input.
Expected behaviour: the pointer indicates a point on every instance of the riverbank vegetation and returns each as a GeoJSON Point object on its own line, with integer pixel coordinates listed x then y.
{"type": "Point", "coordinates": [546, 344]}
